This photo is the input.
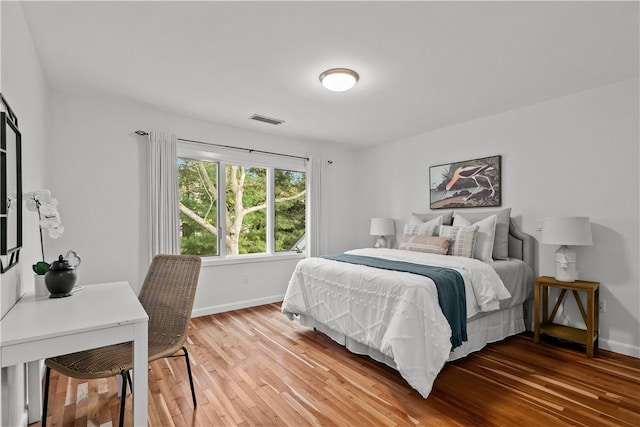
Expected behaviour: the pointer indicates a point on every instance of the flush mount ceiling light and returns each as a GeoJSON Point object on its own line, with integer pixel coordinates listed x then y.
{"type": "Point", "coordinates": [339, 79]}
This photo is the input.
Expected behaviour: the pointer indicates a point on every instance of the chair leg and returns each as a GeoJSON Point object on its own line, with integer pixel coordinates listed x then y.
{"type": "Point", "coordinates": [47, 377]}
{"type": "Point", "coordinates": [126, 377]}
{"type": "Point", "coordinates": [193, 391]}
{"type": "Point", "coordinates": [124, 395]}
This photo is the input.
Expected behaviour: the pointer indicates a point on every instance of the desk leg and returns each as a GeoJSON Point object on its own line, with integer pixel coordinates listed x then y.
{"type": "Point", "coordinates": [140, 375]}
{"type": "Point", "coordinates": [34, 391]}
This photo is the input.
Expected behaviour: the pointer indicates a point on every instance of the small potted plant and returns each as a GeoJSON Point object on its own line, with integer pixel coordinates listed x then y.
{"type": "Point", "coordinates": [49, 219]}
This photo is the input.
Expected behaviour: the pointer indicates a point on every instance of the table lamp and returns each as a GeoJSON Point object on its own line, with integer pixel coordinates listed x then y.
{"type": "Point", "coordinates": [566, 231]}
{"type": "Point", "coordinates": [382, 227]}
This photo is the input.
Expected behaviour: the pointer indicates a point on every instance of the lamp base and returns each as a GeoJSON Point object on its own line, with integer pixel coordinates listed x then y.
{"type": "Point", "coordinates": [382, 242]}
{"type": "Point", "coordinates": [566, 265]}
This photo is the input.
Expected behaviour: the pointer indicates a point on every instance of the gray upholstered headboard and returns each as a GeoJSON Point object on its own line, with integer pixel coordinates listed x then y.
{"type": "Point", "coordinates": [520, 244]}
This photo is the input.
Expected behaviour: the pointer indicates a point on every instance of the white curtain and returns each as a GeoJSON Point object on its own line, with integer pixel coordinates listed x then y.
{"type": "Point", "coordinates": [317, 231]}
{"type": "Point", "coordinates": [163, 194]}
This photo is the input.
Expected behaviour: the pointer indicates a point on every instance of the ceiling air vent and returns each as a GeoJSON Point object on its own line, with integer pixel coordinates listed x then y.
{"type": "Point", "coordinates": [265, 119]}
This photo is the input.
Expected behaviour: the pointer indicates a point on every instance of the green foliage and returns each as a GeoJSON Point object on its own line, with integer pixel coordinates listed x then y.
{"type": "Point", "coordinates": [253, 232]}
{"type": "Point", "coordinates": [290, 214]}
{"type": "Point", "coordinates": [198, 193]}
{"type": "Point", "coordinates": [40, 268]}
{"type": "Point", "coordinates": [195, 195]}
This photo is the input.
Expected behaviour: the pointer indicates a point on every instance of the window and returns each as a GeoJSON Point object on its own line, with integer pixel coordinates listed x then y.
{"type": "Point", "coordinates": [231, 206]}
{"type": "Point", "coordinates": [290, 188]}
{"type": "Point", "coordinates": [197, 183]}
{"type": "Point", "coordinates": [246, 210]}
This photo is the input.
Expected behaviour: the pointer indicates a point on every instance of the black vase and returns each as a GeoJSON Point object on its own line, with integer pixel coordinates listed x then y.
{"type": "Point", "coordinates": [60, 279]}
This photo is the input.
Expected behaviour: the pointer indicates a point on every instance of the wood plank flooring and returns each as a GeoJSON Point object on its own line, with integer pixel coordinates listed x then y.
{"type": "Point", "coordinates": [254, 367]}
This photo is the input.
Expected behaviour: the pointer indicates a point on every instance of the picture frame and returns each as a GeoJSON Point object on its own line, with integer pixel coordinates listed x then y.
{"type": "Point", "coordinates": [466, 184]}
{"type": "Point", "coordinates": [10, 187]}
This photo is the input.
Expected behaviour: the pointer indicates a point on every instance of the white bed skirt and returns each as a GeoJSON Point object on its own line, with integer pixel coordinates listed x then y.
{"type": "Point", "coordinates": [484, 329]}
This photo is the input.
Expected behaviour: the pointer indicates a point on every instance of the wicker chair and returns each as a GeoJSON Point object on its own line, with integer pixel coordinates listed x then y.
{"type": "Point", "coordinates": [167, 295]}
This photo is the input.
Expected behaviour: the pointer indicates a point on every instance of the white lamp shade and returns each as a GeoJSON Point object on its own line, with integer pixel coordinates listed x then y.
{"type": "Point", "coordinates": [572, 231]}
{"type": "Point", "coordinates": [382, 227]}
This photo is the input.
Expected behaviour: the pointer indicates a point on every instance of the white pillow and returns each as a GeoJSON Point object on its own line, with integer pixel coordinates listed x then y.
{"type": "Point", "coordinates": [415, 220]}
{"type": "Point", "coordinates": [486, 235]}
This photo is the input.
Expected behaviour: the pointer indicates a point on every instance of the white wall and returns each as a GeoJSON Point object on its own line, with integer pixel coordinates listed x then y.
{"type": "Point", "coordinates": [99, 177]}
{"type": "Point", "coordinates": [576, 155]}
{"type": "Point", "coordinates": [25, 89]}
{"type": "Point", "coordinates": [84, 149]}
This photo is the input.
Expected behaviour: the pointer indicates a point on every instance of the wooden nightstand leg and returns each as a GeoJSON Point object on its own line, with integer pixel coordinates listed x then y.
{"type": "Point", "coordinates": [536, 313]}
{"type": "Point", "coordinates": [545, 303]}
{"type": "Point", "coordinates": [596, 326]}
{"type": "Point", "coordinates": [590, 321]}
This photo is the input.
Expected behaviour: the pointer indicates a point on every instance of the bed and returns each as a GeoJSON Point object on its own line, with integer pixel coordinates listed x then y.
{"type": "Point", "coordinates": [361, 301]}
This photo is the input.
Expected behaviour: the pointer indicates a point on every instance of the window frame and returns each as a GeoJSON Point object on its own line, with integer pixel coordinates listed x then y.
{"type": "Point", "coordinates": [224, 157]}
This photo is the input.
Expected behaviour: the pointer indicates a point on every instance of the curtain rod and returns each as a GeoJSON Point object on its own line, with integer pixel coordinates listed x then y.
{"type": "Point", "coordinates": [249, 150]}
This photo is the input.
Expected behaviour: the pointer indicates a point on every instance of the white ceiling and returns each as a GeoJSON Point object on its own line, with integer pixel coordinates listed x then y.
{"type": "Point", "coordinates": [422, 65]}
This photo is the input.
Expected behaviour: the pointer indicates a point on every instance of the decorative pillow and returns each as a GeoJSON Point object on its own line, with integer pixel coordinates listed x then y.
{"type": "Point", "coordinates": [501, 242]}
{"type": "Point", "coordinates": [428, 244]}
{"type": "Point", "coordinates": [414, 220]}
{"type": "Point", "coordinates": [424, 217]}
{"type": "Point", "coordinates": [463, 239]}
{"type": "Point", "coordinates": [486, 235]}
{"type": "Point", "coordinates": [424, 229]}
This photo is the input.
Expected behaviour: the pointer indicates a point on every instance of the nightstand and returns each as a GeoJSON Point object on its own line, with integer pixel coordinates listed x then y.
{"type": "Point", "coordinates": [589, 337]}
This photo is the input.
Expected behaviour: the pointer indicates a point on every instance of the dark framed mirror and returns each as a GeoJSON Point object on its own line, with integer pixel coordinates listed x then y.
{"type": "Point", "coordinates": [10, 188]}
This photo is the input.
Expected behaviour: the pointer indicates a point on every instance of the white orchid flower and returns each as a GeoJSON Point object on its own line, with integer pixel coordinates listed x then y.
{"type": "Point", "coordinates": [52, 221]}
{"type": "Point", "coordinates": [48, 209]}
{"type": "Point", "coordinates": [55, 232]}
{"type": "Point", "coordinates": [49, 219]}
{"type": "Point", "coordinates": [35, 198]}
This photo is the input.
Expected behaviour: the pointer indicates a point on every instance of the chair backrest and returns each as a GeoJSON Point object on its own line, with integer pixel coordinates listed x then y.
{"type": "Point", "coordinates": [168, 293]}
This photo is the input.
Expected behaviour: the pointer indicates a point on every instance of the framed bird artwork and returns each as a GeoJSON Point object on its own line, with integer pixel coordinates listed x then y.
{"type": "Point", "coordinates": [467, 184]}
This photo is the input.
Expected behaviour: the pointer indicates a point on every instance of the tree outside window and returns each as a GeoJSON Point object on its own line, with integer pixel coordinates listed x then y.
{"type": "Point", "coordinates": [197, 183]}
{"type": "Point", "coordinates": [245, 211]}
{"type": "Point", "coordinates": [290, 210]}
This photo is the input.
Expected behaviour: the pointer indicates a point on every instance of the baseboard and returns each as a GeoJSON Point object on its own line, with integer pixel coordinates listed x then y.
{"type": "Point", "coordinates": [205, 311]}
{"type": "Point", "coordinates": [619, 347]}
{"type": "Point", "coordinates": [24, 419]}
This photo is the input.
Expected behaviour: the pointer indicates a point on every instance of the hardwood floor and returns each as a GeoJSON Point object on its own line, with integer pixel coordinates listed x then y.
{"type": "Point", "coordinates": [254, 367]}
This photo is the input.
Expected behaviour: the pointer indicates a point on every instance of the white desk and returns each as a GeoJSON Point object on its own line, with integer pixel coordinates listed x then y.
{"type": "Point", "coordinates": [98, 315]}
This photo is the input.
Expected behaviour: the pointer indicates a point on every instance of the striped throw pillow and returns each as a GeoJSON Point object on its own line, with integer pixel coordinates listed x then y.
{"type": "Point", "coordinates": [463, 239]}
{"type": "Point", "coordinates": [428, 244]}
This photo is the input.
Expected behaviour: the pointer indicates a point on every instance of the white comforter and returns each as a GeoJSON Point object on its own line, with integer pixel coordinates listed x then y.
{"type": "Point", "coordinates": [394, 312]}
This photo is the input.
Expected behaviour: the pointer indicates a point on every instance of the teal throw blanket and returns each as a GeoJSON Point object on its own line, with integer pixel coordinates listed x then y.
{"type": "Point", "coordinates": [449, 283]}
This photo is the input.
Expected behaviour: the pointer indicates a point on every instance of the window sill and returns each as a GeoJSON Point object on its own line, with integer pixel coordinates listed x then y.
{"type": "Point", "coordinates": [247, 259]}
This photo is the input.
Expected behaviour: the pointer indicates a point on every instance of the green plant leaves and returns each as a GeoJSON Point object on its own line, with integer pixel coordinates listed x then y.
{"type": "Point", "coordinates": [40, 267]}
